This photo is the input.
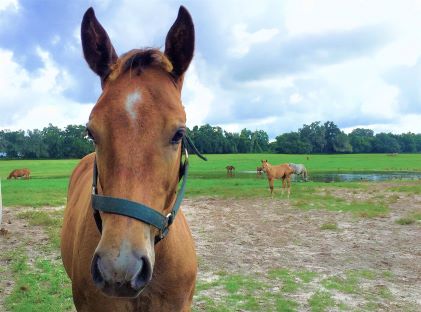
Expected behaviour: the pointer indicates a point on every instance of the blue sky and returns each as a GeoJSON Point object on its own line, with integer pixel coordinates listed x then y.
{"type": "Point", "coordinates": [271, 65]}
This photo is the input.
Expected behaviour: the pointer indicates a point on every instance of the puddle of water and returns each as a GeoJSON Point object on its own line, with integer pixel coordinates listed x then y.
{"type": "Point", "coordinates": [373, 176]}
{"type": "Point", "coordinates": [356, 176]}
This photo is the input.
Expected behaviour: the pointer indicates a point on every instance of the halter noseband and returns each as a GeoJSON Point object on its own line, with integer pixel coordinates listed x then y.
{"type": "Point", "coordinates": [138, 211]}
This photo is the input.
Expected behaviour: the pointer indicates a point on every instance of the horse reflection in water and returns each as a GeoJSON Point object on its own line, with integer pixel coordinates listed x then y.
{"type": "Point", "coordinates": [137, 124]}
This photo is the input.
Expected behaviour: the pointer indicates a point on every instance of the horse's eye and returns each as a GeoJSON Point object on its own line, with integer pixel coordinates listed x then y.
{"type": "Point", "coordinates": [178, 136]}
{"type": "Point", "coordinates": [89, 135]}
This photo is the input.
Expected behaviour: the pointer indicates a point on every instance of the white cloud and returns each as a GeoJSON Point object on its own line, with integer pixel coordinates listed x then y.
{"type": "Point", "coordinates": [9, 5]}
{"type": "Point", "coordinates": [350, 90]}
{"type": "Point", "coordinates": [197, 98]}
{"type": "Point", "coordinates": [243, 40]}
{"type": "Point", "coordinates": [33, 100]}
{"type": "Point", "coordinates": [400, 124]}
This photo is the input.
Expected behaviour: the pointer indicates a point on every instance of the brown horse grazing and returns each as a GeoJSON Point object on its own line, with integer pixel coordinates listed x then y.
{"type": "Point", "coordinates": [282, 171]}
{"type": "Point", "coordinates": [259, 171]}
{"type": "Point", "coordinates": [137, 124]}
{"type": "Point", "coordinates": [17, 173]}
{"type": "Point", "coordinates": [230, 170]}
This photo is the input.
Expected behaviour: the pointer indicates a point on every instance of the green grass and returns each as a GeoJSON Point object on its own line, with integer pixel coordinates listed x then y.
{"type": "Point", "coordinates": [309, 199]}
{"type": "Point", "coordinates": [316, 163]}
{"type": "Point", "coordinates": [329, 226]}
{"type": "Point", "coordinates": [49, 178]}
{"type": "Point", "coordinates": [412, 189]}
{"type": "Point", "coordinates": [237, 292]}
{"type": "Point", "coordinates": [410, 218]}
{"type": "Point", "coordinates": [44, 287]}
{"type": "Point", "coordinates": [320, 301]}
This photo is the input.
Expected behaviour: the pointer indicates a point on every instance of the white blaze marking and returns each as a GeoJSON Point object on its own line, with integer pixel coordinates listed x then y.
{"type": "Point", "coordinates": [131, 100]}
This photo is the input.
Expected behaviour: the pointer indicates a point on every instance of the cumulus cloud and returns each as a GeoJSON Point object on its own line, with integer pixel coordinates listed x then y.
{"type": "Point", "coordinates": [271, 65]}
{"type": "Point", "coordinates": [32, 100]}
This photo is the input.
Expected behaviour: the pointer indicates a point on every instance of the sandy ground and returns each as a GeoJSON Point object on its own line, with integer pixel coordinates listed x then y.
{"type": "Point", "coordinates": [254, 236]}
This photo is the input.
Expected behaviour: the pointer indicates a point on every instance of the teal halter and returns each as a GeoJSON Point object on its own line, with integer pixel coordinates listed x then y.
{"type": "Point", "coordinates": [140, 211]}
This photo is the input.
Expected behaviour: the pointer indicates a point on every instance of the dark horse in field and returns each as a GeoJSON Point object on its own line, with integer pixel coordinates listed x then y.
{"type": "Point", "coordinates": [18, 173]}
{"type": "Point", "coordinates": [230, 170]}
{"type": "Point", "coordinates": [116, 262]}
{"type": "Point", "coordinates": [283, 171]}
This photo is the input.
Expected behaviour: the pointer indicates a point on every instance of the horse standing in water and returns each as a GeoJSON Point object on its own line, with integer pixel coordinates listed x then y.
{"type": "Point", "coordinates": [138, 125]}
{"type": "Point", "coordinates": [282, 171]}
{"type": "Point", "coordinates": [18, 173]}
{"type": "Point", "coordinates": [300, 169]}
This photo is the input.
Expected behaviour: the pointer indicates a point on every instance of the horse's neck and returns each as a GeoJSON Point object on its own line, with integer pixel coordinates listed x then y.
{"type": "Point", "coordinates": [269, 170]}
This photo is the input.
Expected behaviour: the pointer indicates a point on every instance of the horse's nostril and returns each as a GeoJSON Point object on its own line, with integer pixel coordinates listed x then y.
{"type": "Point", "coordinates": [96, 272]}
{"type": "Point", "coordinates": [144, 274]}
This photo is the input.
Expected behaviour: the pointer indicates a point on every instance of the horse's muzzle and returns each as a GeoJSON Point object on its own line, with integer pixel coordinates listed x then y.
{"type": "Point", "coordinates": [122, 276]}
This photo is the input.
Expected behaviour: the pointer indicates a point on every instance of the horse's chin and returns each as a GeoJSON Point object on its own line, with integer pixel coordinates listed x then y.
{"type": "Point", "coordinates": [121, 291]}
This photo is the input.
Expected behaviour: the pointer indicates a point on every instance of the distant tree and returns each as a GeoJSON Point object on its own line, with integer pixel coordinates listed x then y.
{"type": "Point", "coordinates": [232, 140]}
{"type": "Point", "coordinates": [407, 142]}
{"type": "Point", "coordinates": [244, 146]}
{"type": "Point", "coordinates": [341, 143]}
{"type": "Point", "coordinates": [315, 135]}
{"type": "Point", "coordinates": [259, 141]}
{"type": "Point", "coordinates": [53, 139]}
{"type": "Point", "coordinates": [361, 140]}
{"type": "Point", "coordinates": [386, 143]}
{"type": "Point", "coordinates": [14, 143]}
{"type": "Point", "coordinates": [34, 146]}
{"type": "Point", "coordinates": [292, 143]}
{"type": "Point", "coordinates": [331, 133]}
{"type": "Point", "coordinates": [75, 143]}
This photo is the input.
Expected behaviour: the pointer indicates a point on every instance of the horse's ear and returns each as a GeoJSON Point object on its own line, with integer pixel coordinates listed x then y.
{"type": "Point", "coordinates": [97, 47]}
{"type": "Point", "coordinates": [179, 44]}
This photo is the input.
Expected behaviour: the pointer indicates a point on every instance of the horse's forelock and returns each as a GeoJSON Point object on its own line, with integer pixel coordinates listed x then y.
{"type": "Point", "coordinates": [138, 59]}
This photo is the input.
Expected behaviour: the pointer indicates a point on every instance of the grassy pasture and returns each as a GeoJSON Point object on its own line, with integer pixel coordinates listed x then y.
{"type": "Point", "coordinates": [43, 285]}
{"type": "Point", "coordinates": [48, 183]}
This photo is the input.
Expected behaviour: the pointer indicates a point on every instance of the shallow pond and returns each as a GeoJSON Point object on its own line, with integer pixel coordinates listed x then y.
{"type": "Point", "coordinates": [363, 176]}
{"type": "Point", "coordinates": [356, 176]}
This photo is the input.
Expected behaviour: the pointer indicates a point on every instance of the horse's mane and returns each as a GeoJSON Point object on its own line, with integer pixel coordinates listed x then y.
{"type": "Point", "coordinates": [138, 59]}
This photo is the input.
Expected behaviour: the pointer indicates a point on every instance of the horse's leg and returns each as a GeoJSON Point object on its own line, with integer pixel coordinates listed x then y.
{"type": "Point", "coordinates": [271, 187]}
{"type": "Point", "coordinates": [288, 182]}
{"type": "Point", "coordinates": [283, 185]}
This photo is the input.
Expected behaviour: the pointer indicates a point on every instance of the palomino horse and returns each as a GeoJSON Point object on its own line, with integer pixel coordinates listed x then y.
{"type": "Point", "coordinates": [299, 169]}
{"type": "Point", "coordinates": [118, 258]}
{"type": "Point", "coordinates": [18, 173]}
{"type": "Point", "coordinates": [230, 170]}
{"type": "Point", "coordinates": [282, 171]}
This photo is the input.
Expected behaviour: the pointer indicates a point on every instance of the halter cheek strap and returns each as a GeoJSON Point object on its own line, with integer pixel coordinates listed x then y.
{"type": "Point", "coordinates": [138, 211]}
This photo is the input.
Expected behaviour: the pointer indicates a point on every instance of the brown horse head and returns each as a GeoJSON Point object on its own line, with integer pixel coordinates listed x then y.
{"type": "Point", "coordinates": [137, 125]}
{"type": "Point", "coordinates": [264, 165]}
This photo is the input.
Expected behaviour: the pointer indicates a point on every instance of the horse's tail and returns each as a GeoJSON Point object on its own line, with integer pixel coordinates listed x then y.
{"type": "Point", "coordinates": [10, 175]}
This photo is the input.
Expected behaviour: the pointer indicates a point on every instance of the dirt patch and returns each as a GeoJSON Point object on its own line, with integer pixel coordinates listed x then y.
{"type": "Point", "coordinates": [18, 236]}
{"type": "Point", "coordinates": [255, 236]}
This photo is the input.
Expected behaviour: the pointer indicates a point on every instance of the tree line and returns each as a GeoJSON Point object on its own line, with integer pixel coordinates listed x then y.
{"type": "Point", "coordinates": [71, 142]}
